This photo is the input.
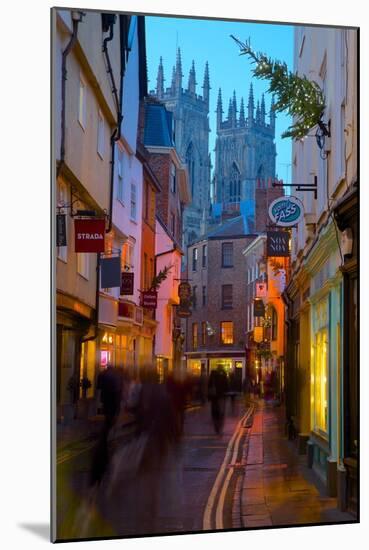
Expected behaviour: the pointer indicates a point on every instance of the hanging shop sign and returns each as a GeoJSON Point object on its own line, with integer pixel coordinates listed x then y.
{"type": "Point", "coordinates": [126, 283]}
{"type": "Point", "coordinates": [184, 291]}
{"type": "Point", "coordinates": [258, 334]}
{"type": "Point", "coordinates": [89, 235]}
{"type": "Point", "coordinates": [149, 299]}
{"type": "Point", "coordinates": [110, 272]}
{"type": "Point", "coordinates": [261, 290]}
{"type": "Point", "coordinates": [278, 243]}
{"type": "Point", "coordinates": [259, 308]}
{"type": "Point", "coordinates": [183, 311]}
{"type": "Point", "coordinates": [61, 230]}
{"type": "Point", "coordinates": [286, 211]}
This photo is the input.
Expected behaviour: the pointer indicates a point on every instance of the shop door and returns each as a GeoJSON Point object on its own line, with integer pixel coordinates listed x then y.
{"type": "Point", "coordinates": [238, 375]}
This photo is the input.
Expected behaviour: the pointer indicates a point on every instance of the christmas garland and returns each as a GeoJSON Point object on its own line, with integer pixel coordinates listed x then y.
{"type": "Point", "coordinates": [301, 98]}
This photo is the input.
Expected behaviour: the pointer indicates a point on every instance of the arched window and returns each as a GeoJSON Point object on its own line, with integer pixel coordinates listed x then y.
{"type": "Point", "coordinates": [190, 161]}
{"type": "Point", "coordinates": [235, 185]}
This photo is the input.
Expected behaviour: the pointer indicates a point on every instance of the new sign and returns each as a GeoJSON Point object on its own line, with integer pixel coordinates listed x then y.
{"type": "Point", "coordinates": [278, 243]}
{"type": "Point", "coordinates": [89, 235]}
{"type": "Point", "coordinates": [126, 283]}
{"type": "Point", "coordinates": [286, 211]}
{"type": "Point", "coordinates": [259, 308]}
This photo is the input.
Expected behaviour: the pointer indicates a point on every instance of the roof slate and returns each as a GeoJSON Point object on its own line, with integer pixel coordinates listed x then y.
{"type": "Point", "coordinates": [158, 125]}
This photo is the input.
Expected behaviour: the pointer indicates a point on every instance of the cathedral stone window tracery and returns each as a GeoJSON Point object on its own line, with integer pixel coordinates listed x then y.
{"type": "Point", "coordinates": [235, 185]}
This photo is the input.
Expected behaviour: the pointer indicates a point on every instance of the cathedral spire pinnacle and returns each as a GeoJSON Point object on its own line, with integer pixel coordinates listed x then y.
{"type": "Point", "coordinates": [192, 80]}
{"type": "Point", "coordinates": [242, 113]}
{"type": "Point", "coordinates": [219, 108]}
{"type": "Point", "coordinates": [262, 110]}
{"type": "Point", "coordinates": [179, 75]}
{"type": "Point", "coordinates": [234, 109]}
{"type": "Point", "coordinates": [160, 80]}
{"type": "Point", "coordinates": [206, 85]}
{"type": "Point", "coordinates": [250, 106]}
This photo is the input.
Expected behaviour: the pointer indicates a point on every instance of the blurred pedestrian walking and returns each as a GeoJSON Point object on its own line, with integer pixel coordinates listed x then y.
{"type": "Point", "coordinates": [110, 385]}
{"type": "Point", "coordinates": [217, 389]}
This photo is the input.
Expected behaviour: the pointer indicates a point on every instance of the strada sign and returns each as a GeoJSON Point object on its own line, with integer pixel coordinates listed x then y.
{"type": "Point", "coordinates": [286, 211]}
{"type": "Point", "coordinates": [89, 235]}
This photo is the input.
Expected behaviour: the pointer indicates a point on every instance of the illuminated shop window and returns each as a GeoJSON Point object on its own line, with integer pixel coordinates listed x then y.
{"type": "Point", "coordinates": [226, 332]}
{"type": "Point", "coordinates": [320, 381]}
{"type": "Point", "coordinates": [203, 333]}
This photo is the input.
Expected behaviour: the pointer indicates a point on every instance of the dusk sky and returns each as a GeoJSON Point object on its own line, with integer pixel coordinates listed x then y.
{"type": "Point", "coordinates": [209, 40]}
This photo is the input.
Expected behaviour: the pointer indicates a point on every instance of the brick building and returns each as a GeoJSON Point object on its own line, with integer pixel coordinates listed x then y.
{"type": "Point", "coordinates": [215, 333]}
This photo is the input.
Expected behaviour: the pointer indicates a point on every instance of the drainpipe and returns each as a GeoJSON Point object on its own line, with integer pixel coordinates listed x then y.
{"type": "Point", "coordinates": [76, 18]}
{"type": "Point", "coordinates": [118, 101]}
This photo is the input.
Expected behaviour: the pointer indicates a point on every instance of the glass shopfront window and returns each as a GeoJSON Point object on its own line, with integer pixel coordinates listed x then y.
{"type": "Point", "coordinates": [320, 362]}
{"type": "Point", "coordinates": [107, 350]}
{"type": "Point", "coordinates": [321, 378]}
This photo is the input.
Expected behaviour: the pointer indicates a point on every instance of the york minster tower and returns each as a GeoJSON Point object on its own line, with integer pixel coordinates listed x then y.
{"type": "Point", "coordinates": [191, 119]}
{"type": "Point", "coordinates": [245, 154]}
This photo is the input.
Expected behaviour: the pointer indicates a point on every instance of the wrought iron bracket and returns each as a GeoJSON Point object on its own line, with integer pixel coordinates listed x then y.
{"type": "Point", "coordinates": [301, 186]}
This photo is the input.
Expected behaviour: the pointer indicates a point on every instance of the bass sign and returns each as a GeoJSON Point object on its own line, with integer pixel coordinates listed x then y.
{"type": "Point", "coordinates": [286, 211]}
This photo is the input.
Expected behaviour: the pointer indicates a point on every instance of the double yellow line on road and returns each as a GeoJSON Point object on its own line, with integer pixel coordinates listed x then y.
{"type": "Point", "coordinates": [222, 481]}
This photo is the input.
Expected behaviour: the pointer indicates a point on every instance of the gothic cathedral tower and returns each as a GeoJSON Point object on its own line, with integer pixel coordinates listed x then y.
{"type": "Point", "coordinates": [191, 119]}
{"type": "Point", "coordinates": [245, 152]}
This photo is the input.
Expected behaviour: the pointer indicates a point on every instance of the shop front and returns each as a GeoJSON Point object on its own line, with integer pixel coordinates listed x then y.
{"type": "Point", "coordinates": [346, 215]}
{"type": "Point", "coordinates": [201, 364]}
{"type": "Point", "coordinates": [73, 322]}
{"type": "Point", "coordinates": [325, 360]}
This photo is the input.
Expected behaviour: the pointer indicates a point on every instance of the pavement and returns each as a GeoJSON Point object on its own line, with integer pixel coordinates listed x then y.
{"type": "Point", "coordinates": [278, 489]}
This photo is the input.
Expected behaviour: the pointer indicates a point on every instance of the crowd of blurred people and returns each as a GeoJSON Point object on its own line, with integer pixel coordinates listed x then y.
{"type": "Point", "coordinates": [143, 464]}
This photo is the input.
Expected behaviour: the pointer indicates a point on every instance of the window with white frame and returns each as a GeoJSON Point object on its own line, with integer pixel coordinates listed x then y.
{"type": "Point", "coordinates": [127, 256]}
{"type": "Point", "coordinates": [82, 103]}
{"type": "Point", "coordinates": [83, 264]}
{"type": "Point", "coordinates": [62, 251]}
{"type": "Point", "coordinates": [100, 134]}
{"type": "Point", "coordinates": [133, 201]}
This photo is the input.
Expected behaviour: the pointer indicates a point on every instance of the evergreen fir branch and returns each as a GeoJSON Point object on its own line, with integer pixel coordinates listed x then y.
{"type": "Point", "coordinates": [160, 277]}
{"type": "Point", "coordinates": [300, 97]}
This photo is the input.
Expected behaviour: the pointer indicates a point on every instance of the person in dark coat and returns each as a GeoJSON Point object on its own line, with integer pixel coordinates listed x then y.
{"type": "Point", "coordinates": [110, 384]}
{"type": "Point", "coordinates": [217, 389]}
